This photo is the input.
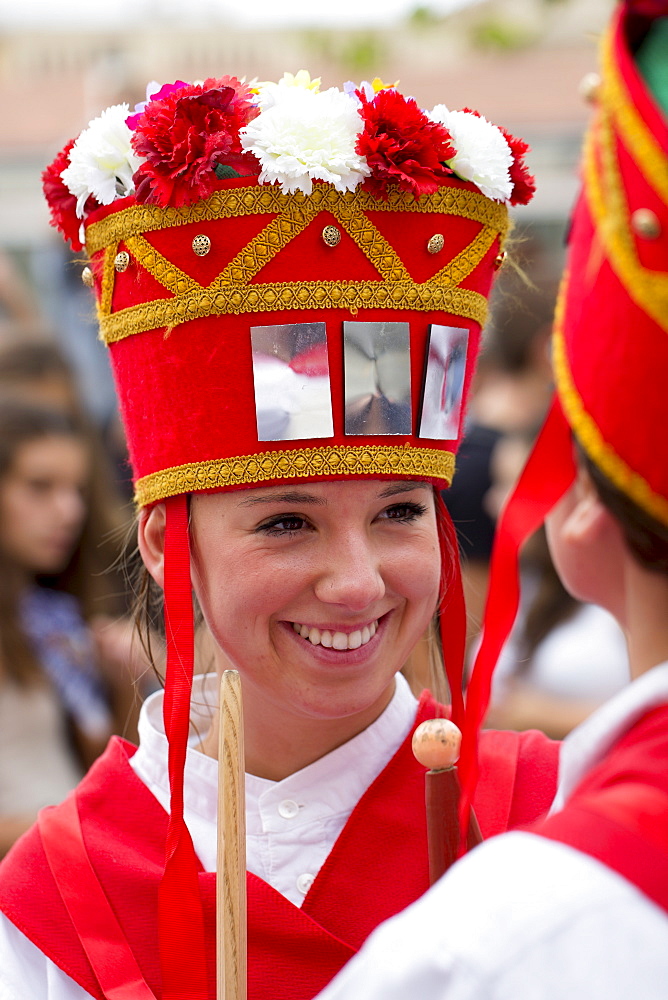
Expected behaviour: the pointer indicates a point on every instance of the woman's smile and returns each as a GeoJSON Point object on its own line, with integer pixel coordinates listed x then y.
{"type": "Point", "coordinates": [333, 637]}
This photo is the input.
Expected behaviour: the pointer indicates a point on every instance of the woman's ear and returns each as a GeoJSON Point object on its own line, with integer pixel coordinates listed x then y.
{"type": "Point", "coordinates": [588, 519]}
{"type": "Point", "coordinates": [151, 541]}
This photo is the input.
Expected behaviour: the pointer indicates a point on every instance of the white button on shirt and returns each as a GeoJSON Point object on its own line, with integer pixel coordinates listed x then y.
{"type": "Point", "coordinates": [288, 809]}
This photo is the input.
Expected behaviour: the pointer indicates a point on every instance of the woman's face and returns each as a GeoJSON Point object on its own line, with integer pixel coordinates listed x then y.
{"type": "Point", "coordinates": [317, 592]}
{"type": "Point", "coordinates": [42, 505]}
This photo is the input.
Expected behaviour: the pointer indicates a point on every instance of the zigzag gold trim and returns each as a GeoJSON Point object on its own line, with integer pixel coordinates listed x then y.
{"type": "Point", "coordinates": [232, 291]}
{"type": "Point", "coordinates": [601, 453]}
{"type": "Point", "coordinates": [351, 295]}
{"type": "Point", "coordinates": [267, 199]}
{"type": "Point", "coordinates": [298, 463]}
{"type": "Point", "coordinates": [605, 193]}
{"type": "Point", "coordinates": [647, 153]}
{"type": "Point", "coordinates": [372, 243]}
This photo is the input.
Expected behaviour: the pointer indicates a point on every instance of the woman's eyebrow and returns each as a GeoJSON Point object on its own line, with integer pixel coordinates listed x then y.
{"type": "Point", "coordinates": [404, 486]}
{"type": "Point", "coordinates": [294, 497]}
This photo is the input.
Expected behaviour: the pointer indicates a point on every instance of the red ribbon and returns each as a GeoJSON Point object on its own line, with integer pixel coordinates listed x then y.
{"type": "Point", "coordinates": [180, 914]}
{"type": "Point", "coordinates": [549, 472]}
{"type": "Point", "coordinates": [452, 613]}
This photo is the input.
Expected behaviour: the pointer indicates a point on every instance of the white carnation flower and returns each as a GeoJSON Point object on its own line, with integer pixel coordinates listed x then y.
{"type": "Point", "coordinates": [102, 161]}
{"type": "Point", "coordinates": [483, 155]}
{"type": "Point", "coordinates": [305, 136]}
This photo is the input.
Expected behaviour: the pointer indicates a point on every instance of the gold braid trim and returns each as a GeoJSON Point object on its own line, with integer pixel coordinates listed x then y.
{"type": "Point", "coordinates": [381, 254]}
{"type": "Point", "coordinates": [108, 277]}
{"type": "Point", "coordinates": [266, 244]}
{"type": "Point", "coordinates": [647, 153]}
{"type": "Point", "coordinates": [232, 292]}
{"type": "Point", "coordinates": [605, 193]}
{"type": "Point", "coordinates": [351, 295]}
{"type": "Point", "coordinates": [298, 463]}
{"type": "Point", "coordinates": [466, 260]}
{"type": "Point", "coordinates": [267, 199]}
{"type": "Point", "coordinates": [588, 433]}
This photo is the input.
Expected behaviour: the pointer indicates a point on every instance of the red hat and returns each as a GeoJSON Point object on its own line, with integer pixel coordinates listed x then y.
{"type": "Point", "coordinates": [610, 345]}
{"type": "Point", "coordinates": [292, 285]}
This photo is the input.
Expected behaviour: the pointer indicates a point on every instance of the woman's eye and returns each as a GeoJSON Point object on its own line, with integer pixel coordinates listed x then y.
{"type": "Point", "coordinates": [405, 512]}
{"type": "Point", "coordinates": [287, 524]}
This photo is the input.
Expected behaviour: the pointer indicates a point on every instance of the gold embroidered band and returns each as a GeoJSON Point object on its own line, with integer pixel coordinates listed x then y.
{"type": "Point", "coordinates": [267, 199]}
{"type": "Point", "coordinates": [233, 291]}
{"type": "Point", "coordinates": [372, 460]}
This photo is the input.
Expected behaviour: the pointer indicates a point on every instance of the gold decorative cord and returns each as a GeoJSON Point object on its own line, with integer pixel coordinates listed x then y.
{"type": "Point", "coordinates": [232, 292]}
{"type": "Point", "coordinates": [372, 460]}
{"type": "Point", "coordinates": [607, 197]}
{"type": "Point", "coordinates": [587, 431]}
{"type": "Point", "coordinates": [647, 153]}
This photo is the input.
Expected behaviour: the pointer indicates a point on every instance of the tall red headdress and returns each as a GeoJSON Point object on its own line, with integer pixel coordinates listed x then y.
{"type": "Point", "coordinates": [610, 343]}
{"type": "Point", "coordinates": [292, 285]}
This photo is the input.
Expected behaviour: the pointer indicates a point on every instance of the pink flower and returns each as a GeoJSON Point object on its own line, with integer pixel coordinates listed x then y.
{"type": "Point", "coordinates": [402, 145]}
{"type": "Point", "coordinates": [185, 134]}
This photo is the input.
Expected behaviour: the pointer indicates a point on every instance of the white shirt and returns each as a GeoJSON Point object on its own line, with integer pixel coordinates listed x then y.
{"type": "Point", "coordinates": [291, 824]}
{"type": "Point", "coordinates": [526, 918]}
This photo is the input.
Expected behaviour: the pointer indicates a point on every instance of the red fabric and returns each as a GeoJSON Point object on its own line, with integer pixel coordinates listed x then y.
{"type": "Point", "coordinates": [619, 812]}
{"type": "Point", "coordinates": [198, 375]}
{"type": "Point", "coordinates": [377, 866]}
{"type": "Point", "coordinates": [181, 921]}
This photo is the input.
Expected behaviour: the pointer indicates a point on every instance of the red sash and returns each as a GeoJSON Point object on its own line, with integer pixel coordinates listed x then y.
{"type": "Point", "coordinates": [83, 884]}
{"type": "Point", "coordinates": [619, 812]}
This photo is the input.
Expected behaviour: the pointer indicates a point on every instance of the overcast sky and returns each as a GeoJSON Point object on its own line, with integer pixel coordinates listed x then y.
{"type": "Point", "coordinates": [65, 13]}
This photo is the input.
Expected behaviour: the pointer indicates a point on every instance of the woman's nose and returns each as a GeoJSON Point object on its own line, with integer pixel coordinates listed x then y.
{"type": "Point", "coordinates": [351, 576]}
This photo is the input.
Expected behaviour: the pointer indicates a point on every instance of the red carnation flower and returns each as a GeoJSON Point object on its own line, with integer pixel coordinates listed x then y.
{"type": "Point", "coordinates": [402, 145]}
{"type": "Point", "coordinates": [62, 203]}
{"type": "Point", "coordinates": [524, 183]}
{"type": "Point", "coordinates": [186, 134]}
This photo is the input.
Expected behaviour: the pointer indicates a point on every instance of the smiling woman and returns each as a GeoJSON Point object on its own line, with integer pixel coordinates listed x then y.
{"type": "Point", "coordinates": [293, 337]}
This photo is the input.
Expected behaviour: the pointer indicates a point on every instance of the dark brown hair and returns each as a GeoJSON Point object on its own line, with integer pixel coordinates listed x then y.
{"type": "Point", "coordinates": [83, 577]}
{"type": "Point", "coordinates": [646, 537]}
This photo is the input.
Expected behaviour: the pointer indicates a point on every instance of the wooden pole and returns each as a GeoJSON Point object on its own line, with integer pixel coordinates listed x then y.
{"type": "Point", "coordinates": [231, 861]}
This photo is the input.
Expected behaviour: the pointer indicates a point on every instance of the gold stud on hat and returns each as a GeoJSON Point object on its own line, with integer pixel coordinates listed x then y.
{"type": "Point", "coordinates": [436, 243]}
{"type": "Point", "coordinates": [201, 245]}
{"type": "Point", "coordinates": [646, 224]}
{"type": "Point", "coordinates": [87, 277]}
{"type": "Point", "coordinates": [331, 236]}
{"type": "Point", "coordinates": [122, 261]}
{"type": "Point", "coordinates": [500, 259]}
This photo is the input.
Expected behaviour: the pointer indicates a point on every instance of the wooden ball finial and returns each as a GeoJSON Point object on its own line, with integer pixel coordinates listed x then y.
{"type": "Point", "coordinates": [436, 744]}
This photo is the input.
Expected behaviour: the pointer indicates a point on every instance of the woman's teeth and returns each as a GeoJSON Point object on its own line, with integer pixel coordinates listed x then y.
{"type": "Point", "coordinates": [336, 640]}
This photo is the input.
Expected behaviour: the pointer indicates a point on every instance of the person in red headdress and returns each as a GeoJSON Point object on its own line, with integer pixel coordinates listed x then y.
{"type": "Point", "coordinates": [576, 905]}
{"type": "Point", "coordinates": [291, 283]}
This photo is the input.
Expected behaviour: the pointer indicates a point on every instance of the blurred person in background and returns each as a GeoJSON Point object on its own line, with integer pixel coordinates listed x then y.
{"type": "Point", "coordinates": [56, 709]}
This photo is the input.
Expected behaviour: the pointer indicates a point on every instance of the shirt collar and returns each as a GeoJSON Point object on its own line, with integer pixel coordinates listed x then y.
{"type": "Point", "coordinates": [338, 779]}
